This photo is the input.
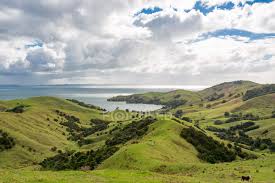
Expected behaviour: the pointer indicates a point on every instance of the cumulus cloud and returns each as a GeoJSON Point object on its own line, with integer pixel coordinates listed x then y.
{"type": "Point", "coordinates": [79, 41]}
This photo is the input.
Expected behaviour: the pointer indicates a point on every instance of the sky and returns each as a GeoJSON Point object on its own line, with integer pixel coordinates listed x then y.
{"type": "Point", "coordinates": [160, 42]}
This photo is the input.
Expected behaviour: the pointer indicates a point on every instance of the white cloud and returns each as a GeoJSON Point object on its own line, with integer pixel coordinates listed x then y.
{"type": "Point", "coordinates": [99, 41]}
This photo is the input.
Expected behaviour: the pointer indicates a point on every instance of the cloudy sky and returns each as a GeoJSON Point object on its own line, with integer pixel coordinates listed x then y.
{"type": "Point", "coordinates": [185, 42]}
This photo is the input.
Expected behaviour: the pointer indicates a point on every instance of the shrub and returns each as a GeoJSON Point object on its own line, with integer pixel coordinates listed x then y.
{"type": "Point", "coordinates": [226, 114]}
{"type": "Point", "coordinates": [187, 119]}
{"type": "Point", "coordinates": [6, 142]}
{"type": "Point", "coordinates": [209, 149]}
{"type": "Point", "coordinates": [256, 92]}
{"type": "Point", "coordinates": [17, 109]}
{"type": "Point", "coordinates": [178, 113]}
{"type": "Point", "coordinates": [85, 105]}
{"type": "Point", "coordinates": [53, 149]}
{"type": "Point", "coordinates": [218, 122]}
{"type": "Point", "coordinates": [133, 130]}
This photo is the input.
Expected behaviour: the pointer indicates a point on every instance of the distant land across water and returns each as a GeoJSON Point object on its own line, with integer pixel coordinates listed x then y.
{"type": "Point", "coordinates": [91, 94]}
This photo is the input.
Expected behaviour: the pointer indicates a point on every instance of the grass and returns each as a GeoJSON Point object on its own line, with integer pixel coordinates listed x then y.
{"type": "Point", "coordinates": [261, 171]}
{"type": "Point", "coordinates": [34, 134]}
{"type": "Point", "coordinates": [159, 156]}
{"type": "Point", "coordinates": [153, 148]}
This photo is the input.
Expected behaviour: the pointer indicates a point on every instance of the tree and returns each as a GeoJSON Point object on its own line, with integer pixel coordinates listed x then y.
{"type": "Point", "coordinates": [226, 114]}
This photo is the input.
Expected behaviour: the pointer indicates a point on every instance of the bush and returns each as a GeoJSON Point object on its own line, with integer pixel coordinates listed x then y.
{"type": "Point", "coordinates": [215, 96]}
{"type": "Point", "coordinates": [209, 149]}
{"type": "Point", "coordinates": [178, 113]}
{"type": "Point", "coordinates": [133, 130]}
{"type": "Point", "coordinates": [85, 105]}
{"type": "Point", "coordinates": [6, 142]}
{"type": "Point", "coordinates": [17, 109]}
{"type": "Point", "coordinates": [91, 159]}
{"type": "Point", "coordinates": [187, 119]}
{"type": "Point", "coordinates": [218, 122]}
{"type": "Point", "coordinates": [256, 92]}
{"type": "Point", "coordinates": [226, 114]}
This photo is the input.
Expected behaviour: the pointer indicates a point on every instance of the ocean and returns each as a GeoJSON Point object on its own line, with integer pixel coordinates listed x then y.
{"type": "Point", "coordinates": [91, 94]}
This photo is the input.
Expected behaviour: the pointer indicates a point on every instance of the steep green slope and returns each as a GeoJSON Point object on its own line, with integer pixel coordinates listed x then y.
{"type": "Point", "coordinates": [161, 148]}
{"type": "Point", "coordinates": [228, 89]}
{"type": "Point", "coordinates": [262, 106]}
{"type": "Point", "coordinates": [259, 91]}
{"type": "Point", "coordinates": [216, 94]}
{"type": "Point", "coordinates": [37, 130]}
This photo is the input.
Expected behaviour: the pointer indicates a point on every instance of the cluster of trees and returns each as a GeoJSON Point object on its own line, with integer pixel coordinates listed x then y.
{"type": "Point", "coordinates": [179, 113]}
{"type": "Point", "coordinates": [96, 126]}
{"type": "Point", "coordinates": [240, 117]}
{"type": "Point", "coordinates": [273, 114]}
{"type": "Point", "coordinates": [86, 105]}
{"type": "Point", "coordinates": [209, 149]}
{"type": "Point", "coordinates": [215, 96]}
{"type": "Point", "coordinates": [133, 130]}
{"type": "Point", "coordinates": [17, 109]}
{"type": "Point", "coordinates": [6, 141]}
{"type": "Point", "coordinates": [68, 117]}
{"type": "Point", "coordinates": [245, 127]}
{"type": "Point", "coordinates": [256, 92]}
{"type": "Point", "coordinates": [237, 135]}
{"type": "Point", "coordinates": [91, 159]}
{"type": "Point", "coordinates": [78, 133]}
{"type": "Point", "coordinates": [175, 103]}
{"type": "Point", "coordinates": [76, 160]}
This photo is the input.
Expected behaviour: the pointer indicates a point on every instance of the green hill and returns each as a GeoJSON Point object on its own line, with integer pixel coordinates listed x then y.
{"type": "Point", "coordinates": [262, 105]}
{"type": "Point", "coordinates": [138, 147]}
{"type": "Point", "coordinates": [38, 129]}
{"type": "Point", "coordinates": [218, 93]}
{"type": "Point", "coordinates": [171, 99]}
{"type": "Point", "coordinates": [162, 147]}
{"type": "Point", "coordinates": [227, 90]}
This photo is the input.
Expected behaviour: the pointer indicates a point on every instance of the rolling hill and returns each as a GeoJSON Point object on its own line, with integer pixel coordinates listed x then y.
{"type": "Point", "coordinates": [228, 137]}
{"type": "Point", "coordinates": [221, 92]}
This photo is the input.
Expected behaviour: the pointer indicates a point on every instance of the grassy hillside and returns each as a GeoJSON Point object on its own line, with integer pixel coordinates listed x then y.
{"type": "Point", "coordinates": [229, 90]}
{"type": "Point", "coordinates": [263, 105]}
{"type": "Point", "coordinates": [38, 129]}
{"type": "Point", "coordinates": [155, 152]}
{"type": "Point", "coordinates": [153, 148]}
{"type": "Point", "coordinates": [214, 95]}
{"type": "Point", "coordinates": [173, 98]}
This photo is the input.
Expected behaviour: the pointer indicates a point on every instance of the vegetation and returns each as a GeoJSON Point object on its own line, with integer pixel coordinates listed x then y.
{"type": "Point", "coordinates": [133, 130]}
{"type": "Point", "coordinates": [58, 134]}
{"type": "Point", "coordinates": [6, 142]}
{"type": "Point", "coordinates": [237, 135]}
{"type": "Point", "coordinates": [91, 159]}
{"type": "Point", "coordinates": [86, 105]}
{"type": "Point", "coordinates": [168, 99]}
{"type": "Point", "coordinates": [240, 117]}
{"type": "Point", "coordinates": [17, 109]}
{"type": "Point", "coordinates": [259, 91]}
{"type": "Point", "coordinates": [209, 149]}
{"type": "Point", "coordinates": [74, 161]}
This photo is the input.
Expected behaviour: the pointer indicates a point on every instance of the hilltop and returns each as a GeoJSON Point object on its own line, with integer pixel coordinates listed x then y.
{"type": "Point", "coordinates": [172, 99]}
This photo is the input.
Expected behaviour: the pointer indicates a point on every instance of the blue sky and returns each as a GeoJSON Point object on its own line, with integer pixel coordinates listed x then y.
{"type": "Point", "coordinates": [200, 6]}
{"type": "Point", "coordinates": [227, 6]}
{"type": "Point", "coordinates": [238, 33]}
